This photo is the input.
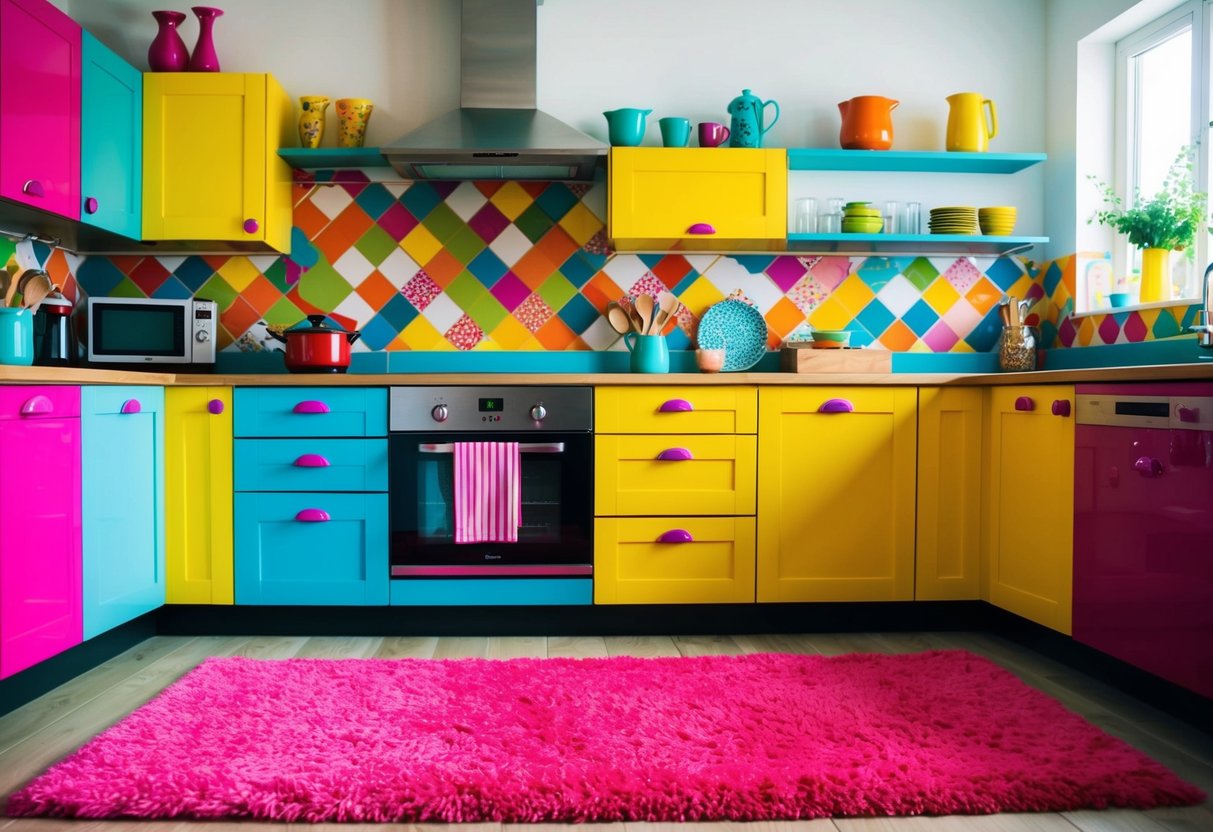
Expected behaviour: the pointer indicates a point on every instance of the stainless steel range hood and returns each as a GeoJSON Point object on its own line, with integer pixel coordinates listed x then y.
{"type": "Point", "coordinates": [497, 133]}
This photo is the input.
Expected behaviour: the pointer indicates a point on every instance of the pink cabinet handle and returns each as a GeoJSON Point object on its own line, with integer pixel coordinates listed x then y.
{"type": "Point", "coordinates": [90, 205]}
{"type": "Point", "coordinates": [702, 228]}
{"type": "Point", "coordinates": [311, 461]}
{"type": "Point", "coordinates": [675, 455]}
{"type": "Point", "coordinates": [1061, 407]}
{"type": "Point", "coordinates": [313, 515]}
{"type": "Point", "coordinates": [132, 406]}
{"type": "Point", "coordinates": [1148, 466]}
{"type": "Point", "coordinates": [311, 407]}
{"type": "Point", "coordinates": [214, 407]}
{"type": "Point", "coordinates": [1189, 414]}
{"type": "Point", "coordinates": [676, 406]}
{"type": "Point", "coordinates": [1025, 403]}
{"type": "Point", "coordinates": [37, 405]}
{"type": "Point", "coordinates": [836, 406]}
{"type": "Point", "coordinates": [676, 536]}
{"type": "Point", "coordinates": [251, 226]}
{"type": "Point", "coordinates": [33, 187]}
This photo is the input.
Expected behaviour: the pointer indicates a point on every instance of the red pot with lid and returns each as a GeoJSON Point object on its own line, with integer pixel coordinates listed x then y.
{"type": "Point", "coordinates": [314, 346]}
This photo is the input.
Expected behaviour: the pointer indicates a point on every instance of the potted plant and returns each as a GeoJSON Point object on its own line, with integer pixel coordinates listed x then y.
{"type": "Point", "coordinates": [1164, 223]}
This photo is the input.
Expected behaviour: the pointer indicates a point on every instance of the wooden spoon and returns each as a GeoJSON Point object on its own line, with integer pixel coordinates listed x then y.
{"type": "Point", "coordinates": [644, 308]}
{"type": "Point", "coordinates": [636, 320]}
{"type": "Point", "coordinates": [618, 317]}
{"type": "Point", "coordinates": [669, 305]}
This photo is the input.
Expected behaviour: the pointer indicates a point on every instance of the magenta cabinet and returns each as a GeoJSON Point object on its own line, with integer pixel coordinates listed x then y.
{"type": "Point", "coordinates": [40, 106]}
{"type": "Point", "coordinates": [40, 564]}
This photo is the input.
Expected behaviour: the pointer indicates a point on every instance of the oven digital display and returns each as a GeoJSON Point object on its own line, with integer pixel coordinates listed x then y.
{"type": "Point", "coordinates": [1159, 409]}
{"type": "Point", "coordinates": [491, 405]}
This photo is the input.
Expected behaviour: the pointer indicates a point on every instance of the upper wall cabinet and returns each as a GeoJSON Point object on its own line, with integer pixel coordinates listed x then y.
{"type": "Point", "coordinates": [40, 107]}
{"type": "Point", "coordinates": [697, 199]}
{"type": "Point", "coordinates": [111, 141]}
{"type": "Point", "coordinates": [211, 169]}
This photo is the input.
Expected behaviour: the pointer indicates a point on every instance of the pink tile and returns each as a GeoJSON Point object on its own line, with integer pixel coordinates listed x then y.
{"type": "Point", "coordinates": [533, 313]}
{"type": "Point", "coordinates": [785, 271]}
{"type": "Point", "coordinates": [510, 291]}
{"type": "Point", "coordinates": [962, 274]}
{"type": "Point", "coordinates": [940, 338]}
{"type": "Point", "coordinates": [397, 221]}
{"type": "Point", "coordinates": [465, 333]}
{"type": "Point", "coordinates": [831, 271]}
{"type": "Point", "coordinates": [648, 284]}
{"type": "Point", "coordinates": [1135, 328]}
{"type": "Point", "coordinates": [808, 293]}
{"type": "Point", "coordinates": [1067, 332]}
{"type": "Point", "coordinates": [421, 290]}
{"type": "Point", "coordinates": [488, 222]}
{"type": "Point", "coordinates": [1109, 329]}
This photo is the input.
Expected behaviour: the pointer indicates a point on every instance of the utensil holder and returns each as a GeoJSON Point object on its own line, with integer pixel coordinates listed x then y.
{"type": "Point", "coordinates": [1017, 349]}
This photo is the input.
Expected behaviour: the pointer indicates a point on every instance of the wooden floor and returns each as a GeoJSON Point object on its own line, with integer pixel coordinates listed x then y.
{"type": "Point", "coordinates": [34, 736]}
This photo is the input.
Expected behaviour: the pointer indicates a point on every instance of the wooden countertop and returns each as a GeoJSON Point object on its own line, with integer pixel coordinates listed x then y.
{"type": "Point", "coordinates": [81, 375]}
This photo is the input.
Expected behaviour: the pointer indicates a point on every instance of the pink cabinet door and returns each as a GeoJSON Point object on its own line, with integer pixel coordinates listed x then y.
{"type": "Point", "coordinates": [40, 565]}
{"type": "Point", "coordinates": [40, 106]}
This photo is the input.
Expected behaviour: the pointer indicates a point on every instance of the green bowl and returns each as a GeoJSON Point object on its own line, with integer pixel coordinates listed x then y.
{"type": "Point", "coordinates": [832, 337]}
{"type": "Point", "coordinates": [862, 226]}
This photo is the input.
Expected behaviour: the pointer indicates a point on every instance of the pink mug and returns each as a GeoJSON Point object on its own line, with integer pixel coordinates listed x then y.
{"type": "Point", "coordinates": [712, 134]}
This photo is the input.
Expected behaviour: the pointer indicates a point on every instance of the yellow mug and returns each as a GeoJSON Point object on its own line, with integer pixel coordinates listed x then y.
{"type": "Point", "coordinates": [352, 117]}
{"type": "Point", "coordinates": [969, 129]}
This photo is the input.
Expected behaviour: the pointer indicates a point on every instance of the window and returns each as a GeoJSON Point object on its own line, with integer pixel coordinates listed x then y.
{"type": "Point", "coordinates": [1162, 106]}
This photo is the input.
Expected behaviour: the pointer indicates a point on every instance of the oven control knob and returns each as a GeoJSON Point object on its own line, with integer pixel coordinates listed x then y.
{"type": "Point", "coordinates": [539, 413]}
{"type": "Point", "coordinates": [439, 413]}
{"type": "Point", "coordinates": [202, 335]}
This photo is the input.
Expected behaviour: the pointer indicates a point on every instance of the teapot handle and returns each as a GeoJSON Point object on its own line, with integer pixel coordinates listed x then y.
{"type": "Point", "coordinates": [775, 104]}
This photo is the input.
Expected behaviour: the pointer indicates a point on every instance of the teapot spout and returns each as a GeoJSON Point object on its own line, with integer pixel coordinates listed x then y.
{"type": "Point", "coordinates": [843, 107]}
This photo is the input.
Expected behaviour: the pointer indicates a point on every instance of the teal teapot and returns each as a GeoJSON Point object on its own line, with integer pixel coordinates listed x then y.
{"type": "Point", "coordinates": [746, 128]}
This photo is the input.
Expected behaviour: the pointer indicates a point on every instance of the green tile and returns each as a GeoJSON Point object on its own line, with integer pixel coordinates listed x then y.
{"type": "Point", "coordinates": [487, 312]}
{"type": "Point", "coordinates": [1166, 326]}
{"type": "Point", "coordinates": [283, 313]}
{"type": "Point", "coordinates": [443, 223]}
{"type": "Point", "coordinates": [323, 287]}
{"type": "Point", "coordinates": [465, 290]}
{"type": "Point", "coordinates": [216, 289]}
{"type": "Point", "coordinates": [376, 244]}
{"type": "Point", "coordinates": [534, 223]}
{"type": "Point", "coordinates": [465, 244]}
{"type": "Point", "coordinates": [126, 288]}
{"type": "Point", "coordinates": [921, 273]}
{"type": "Point", "coordinates": [556, 291]}
{"type": "Point", "coordinates": [276, 274]}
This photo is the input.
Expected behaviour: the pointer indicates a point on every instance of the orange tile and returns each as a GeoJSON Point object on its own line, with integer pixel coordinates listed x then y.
{"type": "Point", "coordinates": [376, 290]}
{"type": "Point", "coordinates": [346, 322]}
{"type": "Point", "coordinates": [1068, 278]}
{"type": "Point", "coordinates": [488, 188]}
{"type": "Point", "coordinates": [670, 270]}
{"type": "Point", "coordinates": [261, 294]}
{"type": "Point", "coordinates": [216, 261]}
{"type": "Point", "coordinates": [534, 188]}
{"type": "Point", "coordinates": [557, 245]}
{"type": "Point", "coordinates": [343, 232]}
{"type": "Point", "coordinates": [898, 337]}
{"type": "Point", "coordinates": [983, 295]}
{"type": "Point", "coordinates": [601, 290]}
{"type": "Point", "coordinates": [239, 317]}
{"type": "Point", "coordinates": [309, 219]}
{"type": "Point", "coordinates": [301, 189]}
{"type": "Point", "coordinates": [443, 267]}
{"type": "Point", "coordinates": [534, 267]}
{"type": "Point", "coordinates": [782, 318]}
{"type": "Point", "coordinates": [555, 334]}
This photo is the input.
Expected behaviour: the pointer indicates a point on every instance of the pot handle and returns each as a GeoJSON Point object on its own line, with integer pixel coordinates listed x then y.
{"type": "Point", "coordinates": [353, 336]}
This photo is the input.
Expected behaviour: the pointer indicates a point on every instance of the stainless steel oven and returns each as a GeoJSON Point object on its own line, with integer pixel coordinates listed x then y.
{"type": "Point", "coordinates": [553, 426]}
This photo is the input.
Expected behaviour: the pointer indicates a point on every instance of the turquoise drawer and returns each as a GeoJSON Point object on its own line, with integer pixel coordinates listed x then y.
{"type": "Point", "coordinates": [311, 464]}
{"type": "Point", "coordinates": [316, 548]}
{"type": "Point", "coordinates": [107, 400]}
{"type": "Point", "coordinates": [310, 411]}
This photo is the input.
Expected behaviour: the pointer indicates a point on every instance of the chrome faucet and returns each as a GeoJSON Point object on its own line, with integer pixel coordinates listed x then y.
{"type": "Point", "coordinates": [1204, 315]}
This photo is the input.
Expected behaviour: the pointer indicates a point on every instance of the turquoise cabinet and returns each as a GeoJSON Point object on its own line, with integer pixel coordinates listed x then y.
{"type": "Point", "coordinates": [311, 465]}
{"type": "Point", "coordinates": [111, 141]}
{"type": "Point", "coordinates": [311, 548]}
{"type": "Point", "coordinates": [122, 504]}
{"type": "Point", "coordinates": [310, 411]}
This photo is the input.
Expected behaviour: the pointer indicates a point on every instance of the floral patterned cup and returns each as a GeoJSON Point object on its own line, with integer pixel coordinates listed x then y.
{"type": "Point", "coordinates": [352, 117]}
{"type": "Point", "coordinates": [311, 119]}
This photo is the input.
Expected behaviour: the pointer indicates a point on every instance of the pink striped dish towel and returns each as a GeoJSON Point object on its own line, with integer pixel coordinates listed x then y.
{"type": "Point", "coordinates": [488, 492]}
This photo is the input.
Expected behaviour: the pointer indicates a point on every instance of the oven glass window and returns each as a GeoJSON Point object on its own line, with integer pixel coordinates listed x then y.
{"type": "Point", "coordinates": [541, 488]}
{"type": "Point", "coordinates": [135, 329]}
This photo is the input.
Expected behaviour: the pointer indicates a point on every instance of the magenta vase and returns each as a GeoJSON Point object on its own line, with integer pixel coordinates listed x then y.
{"type": "Point", "coordinates": [204, 58]}
{"type": "Point", "coordinates": [167, 52]}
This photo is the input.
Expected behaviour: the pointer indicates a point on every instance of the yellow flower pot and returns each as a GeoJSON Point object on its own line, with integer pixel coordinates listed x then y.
{"type": "Point", "coordinates": [1155, 274]}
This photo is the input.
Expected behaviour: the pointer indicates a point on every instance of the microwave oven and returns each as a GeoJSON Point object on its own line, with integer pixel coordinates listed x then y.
{"type": "Point", "coordinates": [154, 331]}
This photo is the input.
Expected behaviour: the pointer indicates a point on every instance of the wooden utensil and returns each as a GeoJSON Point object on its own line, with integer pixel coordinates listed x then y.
{"type": "Point", "coordinates": [669, 305]}
{"type": "Point", "coordinates": [634, 317]}
{"type": "Point", "coordinates": [644, 308]}
{"type": "Point", "coordinates": [618, 318]}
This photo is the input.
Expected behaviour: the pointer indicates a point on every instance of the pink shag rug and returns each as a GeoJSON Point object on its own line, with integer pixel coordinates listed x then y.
{"type": "Point", "coordinates": [722, 737]}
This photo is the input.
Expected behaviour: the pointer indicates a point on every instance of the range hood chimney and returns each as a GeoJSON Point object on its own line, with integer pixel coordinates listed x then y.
{"type": "Point", "coordinates": [497, 133]}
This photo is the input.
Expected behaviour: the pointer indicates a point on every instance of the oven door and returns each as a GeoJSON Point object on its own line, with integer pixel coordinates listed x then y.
{"type": "Point", "coordinates": [555, 537]}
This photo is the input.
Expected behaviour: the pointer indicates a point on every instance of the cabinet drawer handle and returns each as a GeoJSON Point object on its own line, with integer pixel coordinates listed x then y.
{"type": "Point", "coordinates": [676, 536]}
{"type": "Point", "coordinates": [1061, 407]}
{"type": "Point", "coordinates": [214, 407]}
{"type": "Point", "coordinates": [90, 205]}
{"type": "Point", "coordinates": [1148, 466]}
{"type": "Point", "coordinates": [836, 406]}
{"type": "Point", "coordinates": [1025, 403]}
{"type": "Point", "coordinates": [311, 407]}
{"type": "Point", "coordinates": [313, 515]}
{"type": "Point", "coordinates": [676, 406]}
{"type": "Point", "coordinates": [251, 226]}
{"type": "Point", "coordinates": [311, 461]}
{"type": "Point", "coordinates": [37, 406]}
{"type": "Point", "coordinates": [132, 406]}
{"type": "Point", "coordinates": [1189, 414]}
{"type": "Point", "coordinates": [675, 455]}
{"type": "Point", "coordinates": [702, 228]}
{"type": "Point", "coordinates": [33, 187]}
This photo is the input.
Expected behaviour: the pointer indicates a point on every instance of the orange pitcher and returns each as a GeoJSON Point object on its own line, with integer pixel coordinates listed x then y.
{"type": "Point", "coordinates": [968, 127]}
{"type": "Point", "coordinates": [867, 122]}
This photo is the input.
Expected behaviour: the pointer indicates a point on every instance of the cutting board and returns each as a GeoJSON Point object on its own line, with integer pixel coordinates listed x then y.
{"type": "Point", "coordinates": [803, 359]}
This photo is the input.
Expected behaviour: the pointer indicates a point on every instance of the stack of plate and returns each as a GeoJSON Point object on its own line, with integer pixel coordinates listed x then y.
{"type": "Point", "coordinates": [954, 220]}
{"type": "Point", "coordinates": [997, 221]}
{"type": "Point", "coordinates": [861, 218]}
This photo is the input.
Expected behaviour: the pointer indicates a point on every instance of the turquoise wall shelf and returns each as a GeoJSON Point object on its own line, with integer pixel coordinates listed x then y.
{"type": "Point", "coordinates": [910, 161]}
{"type": "Point", "coordinates": [955, 244]}
{"type": "Point", "coordinates": [332, 158]}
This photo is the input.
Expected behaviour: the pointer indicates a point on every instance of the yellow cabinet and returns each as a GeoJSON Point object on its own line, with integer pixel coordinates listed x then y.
{"type": "Point", "coordinates": [836, 488]}
{"type": "Point", "coordinates": [1029, 500]}
{"type": "Point", "coordinates": [664, 409]}
{"type": "Point", "coordinates": [662, 474]}
{"type": "Point", "coordinates": [211, 170]}
{"type": "Point", "coordinates": [702, 199]}
{"type": "Point", "coordinates": [673, 560]}
{"type": "Point", "coordinates": [198, 495]}
{"type": "Point", "coordinates": [950, 429]}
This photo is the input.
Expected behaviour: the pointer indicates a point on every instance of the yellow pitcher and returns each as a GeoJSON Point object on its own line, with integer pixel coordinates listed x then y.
{"type": "Point", "coordinates": [968, 127]}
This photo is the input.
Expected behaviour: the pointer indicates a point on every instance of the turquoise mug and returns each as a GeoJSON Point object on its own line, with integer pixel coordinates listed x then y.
{"type": "Point", "coordinates": [626, 126]}
{"type": "Point", "coordinates": [675, 132]}
{"type": "Point", "coordinates": [649, 353]}
{"type": "Point", "coordinates": [16, 336]}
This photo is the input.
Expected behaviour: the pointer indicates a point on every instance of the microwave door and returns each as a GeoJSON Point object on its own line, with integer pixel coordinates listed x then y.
{"type": "Point", "coordinates": [138, 332]}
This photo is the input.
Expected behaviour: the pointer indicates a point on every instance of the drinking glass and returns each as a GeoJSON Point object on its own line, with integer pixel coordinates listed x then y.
{"type": "Point", "coordinates": [830, 223]}
{"type": "Point", "coordinates": [890, 218]}
{"type": "Point", "coordinates": [911, 219]}
{"type": "Point", "coordinates": [805, 216]}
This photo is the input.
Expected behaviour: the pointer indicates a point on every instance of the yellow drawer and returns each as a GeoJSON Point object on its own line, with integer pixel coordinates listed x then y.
{"type": "Point", "coordinates": [676, 409]}
{"type": "Point", "coordinates": [695, 474]}
{"type": "Point", "coordinates": [674, 560]}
